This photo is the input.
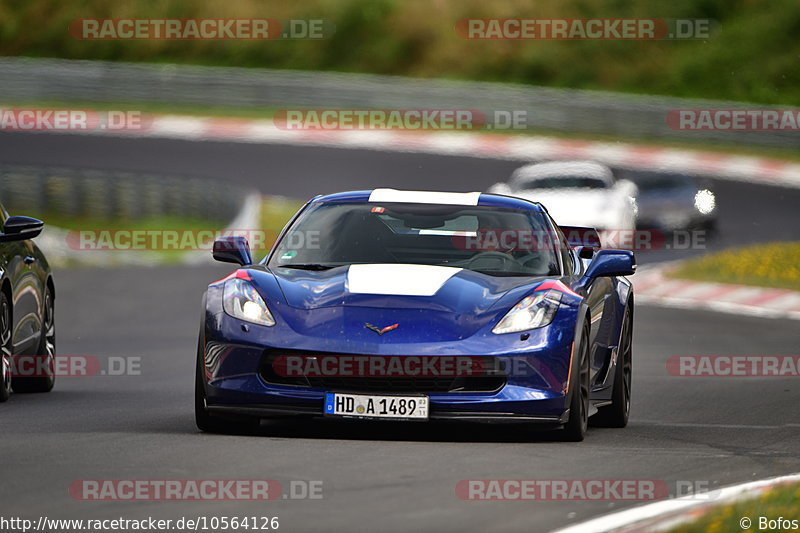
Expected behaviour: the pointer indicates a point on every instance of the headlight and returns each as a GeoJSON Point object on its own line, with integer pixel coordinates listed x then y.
{"type": "Point", "coordinates": [534, 311]}
{"type": "Point", "coordinates": [705, 201]}
{"type": "Point", "coordinates": [241, 300]}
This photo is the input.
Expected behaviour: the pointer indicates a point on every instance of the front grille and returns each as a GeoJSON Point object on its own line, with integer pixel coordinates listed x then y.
{"type": "Point", "coordinates": [492, 382]}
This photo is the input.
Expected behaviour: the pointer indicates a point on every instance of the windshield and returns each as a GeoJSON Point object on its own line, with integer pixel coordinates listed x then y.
{"type": "Point", "coordinates": [497, 242]}
{"type": "Point", "coordinates": [562, 182]}
{"type": "Point", "coordinates": [663, 182]}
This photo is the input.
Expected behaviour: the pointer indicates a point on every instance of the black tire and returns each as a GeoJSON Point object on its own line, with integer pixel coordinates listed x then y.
{"type": "Point", "coordinates": [5, 347]}
{"type": "Point", "coordinates": [46, 350]}
{"type": "Point", "coordinates": [710, 227]}
{"type": "Point", "coordinates": [577, 424]}
{"type": "Point", "coordinates": [616, 415]}
{"type": "Point", "coordinates": [207, 422]}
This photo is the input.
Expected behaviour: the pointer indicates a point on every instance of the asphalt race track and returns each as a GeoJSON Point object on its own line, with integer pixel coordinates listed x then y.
{"type": "Point", "coordinates": [376, 476]}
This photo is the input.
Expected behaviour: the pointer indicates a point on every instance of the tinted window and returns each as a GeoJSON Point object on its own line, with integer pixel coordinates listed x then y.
{"type": "Point", "coordinates": [566, 182]}
{"type": "Point", "coordinates": [498, 242]}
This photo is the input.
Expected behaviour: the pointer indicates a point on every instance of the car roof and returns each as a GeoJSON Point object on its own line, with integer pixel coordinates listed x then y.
{"type": "Point", "coordinates": [431, 197]}
{"type": "Point", "coordinates": [660, 175]}
{"type": "Point", "coordinates": [558, 169]}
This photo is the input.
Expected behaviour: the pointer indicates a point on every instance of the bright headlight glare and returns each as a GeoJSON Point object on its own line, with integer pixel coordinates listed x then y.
{"type": "Point", "coordinates": [705, 201]}
{"type": "Point", "coordinates": [534, 311]}
{"type": "Point", "coordinates": [241, 300]}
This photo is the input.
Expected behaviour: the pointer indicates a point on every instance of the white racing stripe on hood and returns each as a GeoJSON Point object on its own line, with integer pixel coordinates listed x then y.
{"type": "Point", "coordinates": [424, 197]}
{"type": "Point", "coordinates": [398, 279]}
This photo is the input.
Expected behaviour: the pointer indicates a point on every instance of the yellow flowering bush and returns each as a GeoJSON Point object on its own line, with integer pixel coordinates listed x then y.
{"type": "Point", "coordinates": [780, 502]}
{"type": "Point", "coordinates": [768, 265]}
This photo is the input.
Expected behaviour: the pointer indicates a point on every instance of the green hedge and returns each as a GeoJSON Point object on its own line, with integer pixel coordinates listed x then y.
{"type": "Point", "coordinates": [754, 56]}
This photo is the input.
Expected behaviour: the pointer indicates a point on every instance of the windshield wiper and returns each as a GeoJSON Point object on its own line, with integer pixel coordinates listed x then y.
{"type": "Point", "coordinates": [308, 266]}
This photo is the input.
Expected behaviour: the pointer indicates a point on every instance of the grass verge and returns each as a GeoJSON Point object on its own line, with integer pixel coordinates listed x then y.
{"type": "Point", "coordinates": [777, 503]}
{"type": "Point", "coordinates": [161, 223]}
{"type": "Point", "coordinates": [766, 265]}
{"type": "Point", "coordinates": [74, 248]}
{"type": "Point", "coordinates": [85, 234]}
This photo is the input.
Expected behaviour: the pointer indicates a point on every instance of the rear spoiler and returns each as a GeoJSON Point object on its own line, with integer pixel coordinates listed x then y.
{"type": "Point", "coordinates": [587, 239]}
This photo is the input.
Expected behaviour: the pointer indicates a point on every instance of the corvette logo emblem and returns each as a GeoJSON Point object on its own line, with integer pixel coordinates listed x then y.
{"type": "Point", "coordinates": [380, 331]}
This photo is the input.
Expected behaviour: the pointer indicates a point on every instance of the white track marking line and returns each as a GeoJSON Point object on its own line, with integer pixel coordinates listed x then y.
{"type": "Point", "coordinates": [627, 520]}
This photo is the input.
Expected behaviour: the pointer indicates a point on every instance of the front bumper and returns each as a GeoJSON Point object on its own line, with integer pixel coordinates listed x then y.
{"type": "Point", "coordinates": [536, 364]}
{"type": "Point", "coordinates": [278, 410]}
{"type": "Point", "coordinates": [533, 387]}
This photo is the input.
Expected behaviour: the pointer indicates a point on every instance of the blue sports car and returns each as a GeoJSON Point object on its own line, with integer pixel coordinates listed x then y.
{"type": "Point", "coordinates": [415, 306]}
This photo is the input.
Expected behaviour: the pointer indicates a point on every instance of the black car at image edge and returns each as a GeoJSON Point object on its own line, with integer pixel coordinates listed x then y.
{"type": "Point", "coordinates": [27, 298]}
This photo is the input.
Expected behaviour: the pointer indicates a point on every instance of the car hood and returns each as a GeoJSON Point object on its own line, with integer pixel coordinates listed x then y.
{"type": "Point", "coordinates": [429, 304]}
{"type": "Point", "coordinates": [396, 286]}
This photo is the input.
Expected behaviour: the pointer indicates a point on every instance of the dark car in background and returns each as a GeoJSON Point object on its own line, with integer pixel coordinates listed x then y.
{"type": "Point", "coordinates": [673, 201]}
{"type": "Point", "coordinates": [27, 320]}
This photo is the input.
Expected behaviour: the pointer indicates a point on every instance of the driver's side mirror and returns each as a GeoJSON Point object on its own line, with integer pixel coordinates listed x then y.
{"type": "Point", "coordinates": [21, 229]}
{"type": "Point", "coordinates": [607, 263]}
{"type": "Point", "coordinates": [233, 250]}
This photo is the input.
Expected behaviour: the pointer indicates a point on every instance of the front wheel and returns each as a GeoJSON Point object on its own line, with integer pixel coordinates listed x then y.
{"type": "Point", "coordinates": [5, 346]}
{"type": "Point", "coordinates": [213, 423]}
{"type": "Point", "coordinates": [45, 354]}
{"type": "Point", "coordinates": [578, 422]}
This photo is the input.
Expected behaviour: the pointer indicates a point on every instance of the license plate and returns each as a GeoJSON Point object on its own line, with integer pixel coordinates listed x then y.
{"type": "Point", "coordinates": [369, 406]}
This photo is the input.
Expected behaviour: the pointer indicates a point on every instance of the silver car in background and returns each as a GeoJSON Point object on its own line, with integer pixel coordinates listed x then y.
{"type": "Point", "coordinates": [576, 193]}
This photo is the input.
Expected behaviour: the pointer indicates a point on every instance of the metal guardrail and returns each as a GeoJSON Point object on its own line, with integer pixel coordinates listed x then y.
{"type": "Point", "coordinates": [562, 110]}
{"type": "Point", "coordinates": [116, 195]}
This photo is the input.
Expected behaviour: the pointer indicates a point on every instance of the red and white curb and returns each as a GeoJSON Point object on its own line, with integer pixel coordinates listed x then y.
{"type": "Point", "coordinates": [666, 514]}
{"type": "Point", "coordinates": [653, 285]}
{"type": "Point", "coordinates": [487, 145]}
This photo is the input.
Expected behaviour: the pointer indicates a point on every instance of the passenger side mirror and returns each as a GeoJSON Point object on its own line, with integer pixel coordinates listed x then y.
{"type": "Point", "coordinates": [607, 263]}
{"type": "Point", "coordinates": [21, 229]}
{"type": "Point", "coordinates": [232, 250]}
